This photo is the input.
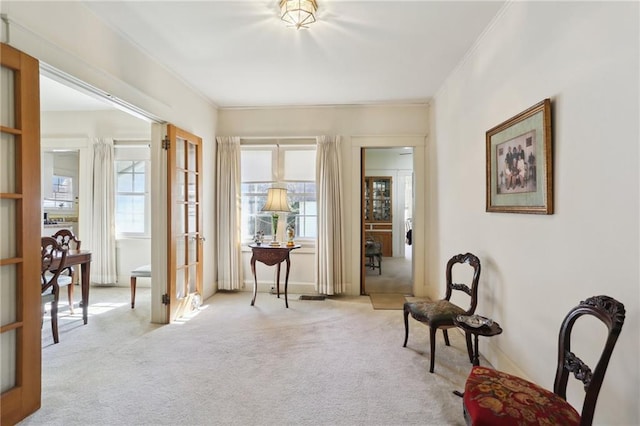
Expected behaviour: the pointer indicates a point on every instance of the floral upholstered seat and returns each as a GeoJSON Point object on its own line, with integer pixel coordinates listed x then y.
{"type": "Point", "coordinates": [507, 400]}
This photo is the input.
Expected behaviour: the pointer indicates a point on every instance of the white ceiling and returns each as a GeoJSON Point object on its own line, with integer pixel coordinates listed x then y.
{"type": "Point", "coordinates": [238, 53]}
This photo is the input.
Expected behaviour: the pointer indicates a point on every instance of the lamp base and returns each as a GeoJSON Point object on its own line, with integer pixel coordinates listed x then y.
{"type": "Point", "coordinates": [274, 244]}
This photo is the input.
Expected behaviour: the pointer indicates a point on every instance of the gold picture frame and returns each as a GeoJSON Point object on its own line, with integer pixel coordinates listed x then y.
{"type": "Point", "coordinates": [519, 163]}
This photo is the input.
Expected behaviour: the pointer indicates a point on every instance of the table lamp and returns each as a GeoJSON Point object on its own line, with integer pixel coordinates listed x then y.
{"type": "Point", "coordinates": [276, 203]}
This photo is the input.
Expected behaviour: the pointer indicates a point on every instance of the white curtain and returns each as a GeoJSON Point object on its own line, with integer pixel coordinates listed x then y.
{"type": "Point", "coordinates": [330, 245]}
{"type": "Point", "coordinates": [103, 260]}
{"type": "Point", "coordinates": [228, 212]}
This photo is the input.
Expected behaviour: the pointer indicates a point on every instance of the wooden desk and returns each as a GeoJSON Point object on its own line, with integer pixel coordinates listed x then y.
{"type": "Point", "coordinates": [82, 258]}
{"type": "Point", "coordinates": [271, 256]}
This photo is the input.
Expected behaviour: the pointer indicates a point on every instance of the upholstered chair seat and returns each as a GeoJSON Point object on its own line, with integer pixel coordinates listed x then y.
{"type": "Point", "coordinates": [504, 399]}
{"type": "Point", "coordinates": [434, 312]}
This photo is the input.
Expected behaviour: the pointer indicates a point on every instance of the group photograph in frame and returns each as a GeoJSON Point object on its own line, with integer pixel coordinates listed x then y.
{"type": "Point", "coordinates": [519, 163]}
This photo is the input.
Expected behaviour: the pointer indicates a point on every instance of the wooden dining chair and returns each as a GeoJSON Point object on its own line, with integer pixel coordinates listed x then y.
{"type": "Point", "coordinates": [496, 398]}
{"type": "Point", "coordinates": [440, 314]}
{"type": "Point", "coordinates": [52, 279]}
{"type": "Point", "coordinates": [67, 240]}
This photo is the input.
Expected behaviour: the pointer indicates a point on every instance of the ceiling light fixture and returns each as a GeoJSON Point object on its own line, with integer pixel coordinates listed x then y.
{"type": "Point", "coordinates": [298, 13]}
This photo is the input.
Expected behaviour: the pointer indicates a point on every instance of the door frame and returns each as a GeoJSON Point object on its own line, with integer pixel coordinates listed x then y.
{"type": "Point", "coordinates": [419, 243]}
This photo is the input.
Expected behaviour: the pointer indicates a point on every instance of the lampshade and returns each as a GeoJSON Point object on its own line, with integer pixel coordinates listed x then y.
{"type": "Point", "coordinates": [276, 201]}
{"type": "Point", "coordinates": [298, 13]}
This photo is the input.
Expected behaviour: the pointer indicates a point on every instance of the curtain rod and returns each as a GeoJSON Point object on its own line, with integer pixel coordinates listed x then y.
{"type": "Point", "coordinates": [278, 137]}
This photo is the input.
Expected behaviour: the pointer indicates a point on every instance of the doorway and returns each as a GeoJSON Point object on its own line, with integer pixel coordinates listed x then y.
{"type": "Point", "coordinates": [67, 108]}
{"type": "Point", "coordinates": [387, 218]}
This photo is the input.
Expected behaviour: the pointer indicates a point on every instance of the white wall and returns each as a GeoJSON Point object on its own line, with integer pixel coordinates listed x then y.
{"type": "Point", "coordinates": [584, 56]}
{"type": "Point", "coordinates": [50, 32]}
{"type": "Point", "coordinates": [359, 126]}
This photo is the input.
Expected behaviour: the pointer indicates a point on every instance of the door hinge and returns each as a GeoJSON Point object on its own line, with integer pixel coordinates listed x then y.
{"type": "Point", "coordinates": [165, 143]}
{"type": "Point", "coordinates": [165, 299]}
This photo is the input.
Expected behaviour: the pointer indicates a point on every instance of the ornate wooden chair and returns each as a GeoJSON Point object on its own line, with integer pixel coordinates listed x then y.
{"type": "Point", "coordinates": [495, 398]}
{"type": "Point", "coordinates": [67, 240]}
{"type": "Point", "coordinates": [52, 279]}
{"type": "Point", "coordinates": [440, 314]}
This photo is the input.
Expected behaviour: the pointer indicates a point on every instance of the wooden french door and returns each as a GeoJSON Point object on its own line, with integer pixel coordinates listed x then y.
{"type": "Point", "coordinates": [184, 172]}
{"type": "Point", "coordinates": [20, 222]}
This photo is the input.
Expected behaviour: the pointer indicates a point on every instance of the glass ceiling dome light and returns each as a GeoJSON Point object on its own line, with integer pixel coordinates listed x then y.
{"type": "Point", "coordinates": [298, 13]}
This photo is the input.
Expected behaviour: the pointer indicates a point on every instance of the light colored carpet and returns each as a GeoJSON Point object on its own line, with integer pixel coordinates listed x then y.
{"type": "Point", "coordinates": [387, 301]}
{"type": "Point", "coordinates": [332, 362]}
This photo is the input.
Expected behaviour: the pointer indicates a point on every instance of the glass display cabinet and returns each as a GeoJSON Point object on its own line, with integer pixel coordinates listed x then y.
{"type": "Point", "coordinates": [377, 211]}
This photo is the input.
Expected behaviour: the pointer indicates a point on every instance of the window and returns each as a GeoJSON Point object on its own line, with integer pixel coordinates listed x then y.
{"type": "Point", "coordinates": [62, 194]}
{"type": "Point", "coordinates": [132, 216]}
{"type": "Point", "coordinates": [287, 166]}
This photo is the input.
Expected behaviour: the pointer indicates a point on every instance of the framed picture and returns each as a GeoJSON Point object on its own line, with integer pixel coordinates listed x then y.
{"type": "Point", "coordinates": [519, 163]}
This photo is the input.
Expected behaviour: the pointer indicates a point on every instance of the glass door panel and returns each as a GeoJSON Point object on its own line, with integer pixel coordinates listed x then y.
{"type": "Point", "coordinates": [186, 222]}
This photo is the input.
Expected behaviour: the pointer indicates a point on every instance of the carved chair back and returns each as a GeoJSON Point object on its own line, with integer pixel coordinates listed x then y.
{"type": "Point", "coordinates": [472, 289]}
{"type": "Point", "coordinates": [67, 239]}
{"type": "Point", "coordinates": [52, 255]}
{"type": "Point", "coordinates": [612, 314]}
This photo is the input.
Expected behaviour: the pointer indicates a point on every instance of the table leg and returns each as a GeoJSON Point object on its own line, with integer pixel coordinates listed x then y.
{"type": "Point", "coordinates": [278, 280]}
{"type": "Point", "coordinates": [286, 282]}
{"type": "Point", "coordinates": [255, 279]}
{"type": "Point", "coordinates": [85, 271]}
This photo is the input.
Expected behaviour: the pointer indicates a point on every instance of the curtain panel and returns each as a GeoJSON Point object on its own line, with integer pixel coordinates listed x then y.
{"type": "Point", "coordinates": [228, 213]}
{"type": "Point", "coordinates": [330, 244]}
{"type": "Point", "coordinates": [103, 264]}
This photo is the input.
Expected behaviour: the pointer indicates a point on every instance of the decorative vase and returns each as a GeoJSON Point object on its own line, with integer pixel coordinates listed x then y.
{"type": "Point", "coordinates": [274, 226]}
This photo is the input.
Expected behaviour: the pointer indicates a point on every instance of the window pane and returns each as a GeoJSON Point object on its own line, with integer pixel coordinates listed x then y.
{"type": "Point", "coordinates": [130, 213]}
{"type": "Point", "coordinates": [125, 182]}
{"type": "Point", "coordinates": [138, 183]}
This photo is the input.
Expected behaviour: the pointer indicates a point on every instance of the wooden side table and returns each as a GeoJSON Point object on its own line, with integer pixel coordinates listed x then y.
{"type": "Point", "coordinates": [485, 330]}
{"type": "Point", "coordinates": [270, 256]}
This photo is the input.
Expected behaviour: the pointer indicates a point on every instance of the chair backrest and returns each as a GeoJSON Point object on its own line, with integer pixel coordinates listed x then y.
{"type": "Point", "coordinates": [612, 314]}
{"type": "Point", "coordinates": [53, 255]}
{"type": "Point", "coordinates": [472, 289]}
{"type": "Point", "coordinates": [67, 239]}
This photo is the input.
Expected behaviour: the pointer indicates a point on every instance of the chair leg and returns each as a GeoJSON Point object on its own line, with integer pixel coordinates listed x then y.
{"type": "Point", "coordinates": [432, 342]}
{"type": "Point", "coordinates": [469, 346]}
{"type": "Point", "coordinates": [133, 292]}
{"type": "Point", "coordinates": [406, 324]}
{"type": "Point", "coordinates": [70, 293]}
{"type": "Point", "coordinates": [446, 337]}
{"type": "Point", "coordinates": [54, 320]}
